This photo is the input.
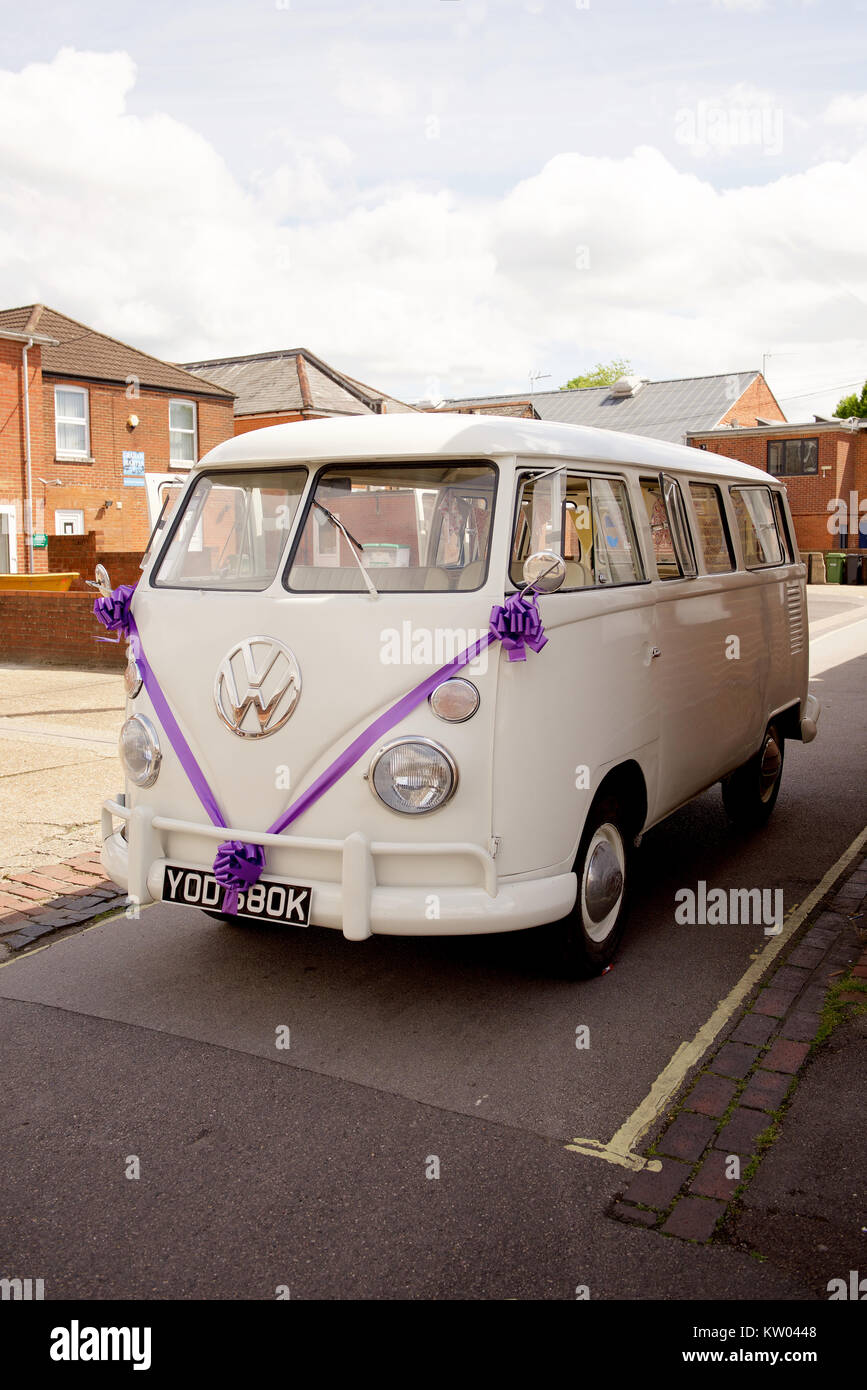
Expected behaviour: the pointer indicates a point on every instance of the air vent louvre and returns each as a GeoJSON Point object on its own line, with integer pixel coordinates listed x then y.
{"type": "Point", "coordinates": [795, 608]}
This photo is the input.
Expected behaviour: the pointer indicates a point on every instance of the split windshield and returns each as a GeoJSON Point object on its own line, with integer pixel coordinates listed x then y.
{"type": "Point", "coordinates": [233, 530]}
{"type": "Point", "coordinates": [414, 526]}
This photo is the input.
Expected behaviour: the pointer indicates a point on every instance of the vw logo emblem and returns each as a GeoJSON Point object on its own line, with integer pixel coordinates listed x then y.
{"type": "Point", "coordinates": [257, 687]}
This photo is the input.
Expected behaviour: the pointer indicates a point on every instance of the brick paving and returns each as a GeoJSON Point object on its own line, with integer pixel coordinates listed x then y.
{"type": "Point", "coordinates": [726, 1119]}
{"type": "Point", "coordinates": [36, 902]}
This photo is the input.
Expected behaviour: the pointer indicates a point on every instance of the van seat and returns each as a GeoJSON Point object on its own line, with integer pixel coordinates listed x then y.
{"type": "Point", "coordinates": [319, 579]}
{"type": "Point", "coordinates": [577, 576]}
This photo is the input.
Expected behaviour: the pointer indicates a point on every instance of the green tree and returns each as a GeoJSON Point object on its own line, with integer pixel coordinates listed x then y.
{"type": "Point", "coordinates": [853, 405]}
{"type": "Point", "coordinates": [603, 374]}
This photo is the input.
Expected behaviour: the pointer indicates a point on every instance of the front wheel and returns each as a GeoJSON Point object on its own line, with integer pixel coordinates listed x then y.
{"type": "Point", "coordinates": [750, 793]}
{"type": "Point", "coordinates": [587, 939]}
{"type": "Point", "coordinates": [227, 918]}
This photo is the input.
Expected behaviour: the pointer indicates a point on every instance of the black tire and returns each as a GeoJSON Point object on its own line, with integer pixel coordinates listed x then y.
{"type": "Point", "coordinates": [750, 793]}
{"type": "Point", "coordinates": [226, 917]}
{"type": "Point", "coordinates": [587, 940]}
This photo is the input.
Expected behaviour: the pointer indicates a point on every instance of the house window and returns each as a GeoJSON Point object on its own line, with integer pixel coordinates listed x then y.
{"type": "Point", "coordinates": [787, 457]}
{"type": "Point", "coordinates": [183, 450]}
{"type": "Point", "coordinates": [69, 522]}
{"type": "Point", "coordinates": [71, 423]}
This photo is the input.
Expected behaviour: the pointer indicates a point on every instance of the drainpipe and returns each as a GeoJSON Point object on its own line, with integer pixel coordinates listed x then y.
{"type": "Point", "coordinates": [31, 568]}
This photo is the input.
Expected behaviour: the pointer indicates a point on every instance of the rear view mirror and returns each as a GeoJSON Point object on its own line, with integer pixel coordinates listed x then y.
{"type": "Point", "coordinates": [337, 487]}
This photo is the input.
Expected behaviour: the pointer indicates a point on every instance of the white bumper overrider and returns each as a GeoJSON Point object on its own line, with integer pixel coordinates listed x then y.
{"type": "Point", "coordinates": [809, 719]}
{"type": "Point", "coordinates": [357, 905]}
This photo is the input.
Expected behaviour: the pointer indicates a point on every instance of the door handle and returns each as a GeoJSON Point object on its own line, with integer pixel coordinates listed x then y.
{"type": "Point", "coordinates": [655, 651]}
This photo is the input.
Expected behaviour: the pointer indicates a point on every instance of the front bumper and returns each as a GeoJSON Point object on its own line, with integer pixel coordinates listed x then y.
{"type": "Point", "coordinates": [356, 905]}
{"type": "Point", "coordinates": [810, 718]}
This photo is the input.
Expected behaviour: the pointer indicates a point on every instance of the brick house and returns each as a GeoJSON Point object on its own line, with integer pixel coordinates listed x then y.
{"type": "Point", "coordinates": [656, 409]}
{"type": "Point", "coordinates": [272, 388]}
{"type": "Point", "coordinates": [825, 468]}
{"type": "Point", "coordinates": [84, 419]}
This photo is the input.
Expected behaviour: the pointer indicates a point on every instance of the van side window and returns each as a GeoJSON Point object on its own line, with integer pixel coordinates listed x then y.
{"type": "Point", "coordinates": [672, 543]}
{"type": "Point", "coordinates": [783, 526]}
{"type": "Point", "coordinates": [587, 521]}
{"type": "Point", "coordinates": [754, 513]}
{"type": "Point", "coordinates": [617, 556]}
{"type": "Point", "coordinates": [712, 530]}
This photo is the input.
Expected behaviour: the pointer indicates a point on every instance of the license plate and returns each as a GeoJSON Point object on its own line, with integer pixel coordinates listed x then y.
{"type": "Point", "coordinates": [265, 901]}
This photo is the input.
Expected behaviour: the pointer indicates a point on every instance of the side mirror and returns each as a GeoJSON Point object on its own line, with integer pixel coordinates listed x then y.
{"type": "Point", "coordinates": [100, 581]}
{"type": "Point", "coordinates": [545, 571]}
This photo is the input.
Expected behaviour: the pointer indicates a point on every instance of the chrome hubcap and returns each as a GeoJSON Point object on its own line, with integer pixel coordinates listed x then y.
{"type": "Point", "coordinates": [772, 761]}
{"type": "Point", "coordinates": [602, 883]}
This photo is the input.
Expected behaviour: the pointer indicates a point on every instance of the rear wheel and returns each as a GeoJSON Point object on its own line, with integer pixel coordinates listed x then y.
{"type": "Point", "coordinates": [750, 793]}
{"type": "Point", "coordinates": [586, 940]}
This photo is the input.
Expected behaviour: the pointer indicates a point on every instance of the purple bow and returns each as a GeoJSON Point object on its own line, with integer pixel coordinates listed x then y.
{"type": "Point", "coordinates": [112, 610]}
{"type": "Point", "coordinates": [517, 623]}
{"type": "Point", "coordinates": [237, 866]}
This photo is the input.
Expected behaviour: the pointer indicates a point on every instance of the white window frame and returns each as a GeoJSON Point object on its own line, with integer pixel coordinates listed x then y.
{"type": "Point", "coordinates": [64, 514]}
{"type": "Point", "coordinates": [9, 509]}
{"type": "Point", "coordinates": [184, 463]}
{"type": "Point", "coordinates": [72, 420]}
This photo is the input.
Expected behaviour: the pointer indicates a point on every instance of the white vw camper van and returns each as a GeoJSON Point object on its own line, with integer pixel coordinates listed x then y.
{"type": "Point", "coordinates": [436, 674]}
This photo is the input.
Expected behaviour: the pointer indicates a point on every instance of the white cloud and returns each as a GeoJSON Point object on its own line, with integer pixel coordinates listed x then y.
{"type": "Point", "coordinates": [847, 109]}
{"type": "Point", "coordinates": [362, 87]}
{"type": "Point", "coordinates": [136, 225]}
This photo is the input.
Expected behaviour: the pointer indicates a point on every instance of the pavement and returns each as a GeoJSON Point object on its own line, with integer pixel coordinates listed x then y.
{"type": "Point", "coordinates": [58, 761]}
{"type": "Point", "coordinates": [154, 1037]}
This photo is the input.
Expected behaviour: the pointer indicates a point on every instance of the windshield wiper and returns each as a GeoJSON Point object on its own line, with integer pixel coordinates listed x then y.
{"type": "Point", "coordinates": [352, 543]}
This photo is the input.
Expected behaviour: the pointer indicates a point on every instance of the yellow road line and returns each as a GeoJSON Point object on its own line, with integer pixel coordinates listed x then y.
{"type": "Point", "coordinates": [621, 1149]}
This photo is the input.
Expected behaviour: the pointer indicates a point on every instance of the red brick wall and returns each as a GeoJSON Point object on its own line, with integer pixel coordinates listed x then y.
{"type": "Point", "coordinates": [756, 401]}
{"type": "Point", "coordinates": [124, 525]}
{"type": "Point", "coordinates": [245, 423]}
{"type": "Point", "coordinates": [842, 469]}
{"type": "Point", "coordinates": [82, 554]}
{"type": "Point", "coordinates": [56, 630]}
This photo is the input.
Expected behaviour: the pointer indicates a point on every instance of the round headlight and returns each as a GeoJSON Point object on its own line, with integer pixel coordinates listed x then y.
{"type": "Point", "coordinates": [140, 751]}
{"type": "Point", "coordinates": [132, 678]}
{"type": "Point", "coordinates": [456, 700]}
{"type": "Point", "coordinates": [413, 775]}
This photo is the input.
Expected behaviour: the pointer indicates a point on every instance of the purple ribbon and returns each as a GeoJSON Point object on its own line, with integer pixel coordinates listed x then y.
{"type": "Point", "coordinates": [238, 865]}
{"type": "Point", "coordinates": [517, 624]}
{"type": "Point", "coordinates": [112, 610]}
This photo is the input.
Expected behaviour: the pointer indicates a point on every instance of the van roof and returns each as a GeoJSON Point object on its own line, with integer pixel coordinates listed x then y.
{"type": "Point", "coordinates": [462, 436]}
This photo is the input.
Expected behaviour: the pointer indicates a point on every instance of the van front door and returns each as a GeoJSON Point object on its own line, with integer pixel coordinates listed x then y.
{"type": "Point", "coordinates": [585, 703]}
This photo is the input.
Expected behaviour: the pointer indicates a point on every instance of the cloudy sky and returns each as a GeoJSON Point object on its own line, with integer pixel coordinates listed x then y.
{"type": "Point", "coordinates": [442, 197]}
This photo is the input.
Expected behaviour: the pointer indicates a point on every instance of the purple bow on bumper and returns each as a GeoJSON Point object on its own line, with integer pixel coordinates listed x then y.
{"type": "Point", "coordinates": [112, 610]}
{"type": "Point", "coordinates": [518, 625]}
{"type": "Point", "coordinates": [237, 866]}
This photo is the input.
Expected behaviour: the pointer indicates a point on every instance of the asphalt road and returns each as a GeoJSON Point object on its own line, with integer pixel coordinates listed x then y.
{"type": "Point", "coordinates": [306, 1166]}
